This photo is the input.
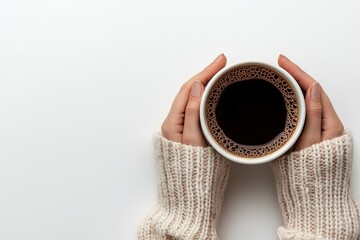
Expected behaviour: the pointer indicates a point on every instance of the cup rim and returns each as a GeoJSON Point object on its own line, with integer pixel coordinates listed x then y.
{"type": "Point", "coordinates": [252, 161]}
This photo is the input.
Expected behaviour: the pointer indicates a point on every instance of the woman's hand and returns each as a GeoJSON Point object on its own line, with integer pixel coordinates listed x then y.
{"type": "Point", "coordinates": [321, 122]}
{"type": "Point", "coordinates": [183, 121]}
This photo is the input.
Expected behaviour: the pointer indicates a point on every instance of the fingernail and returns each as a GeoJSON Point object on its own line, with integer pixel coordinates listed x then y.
{"type": "Point", "coordinates": [196, 89]}
{"type": "Point", "coordinates": [217, 59]}
{"type": "Point", "coordinates": [283, 56]}
{"type": "Point", "coordinates": [315, 90]}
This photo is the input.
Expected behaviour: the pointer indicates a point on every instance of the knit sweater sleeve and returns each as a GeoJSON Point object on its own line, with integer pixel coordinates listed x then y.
{"type": "Point", "coordinates": [313, 192]}
{"type": "Point", "coordinates": [191, 184]}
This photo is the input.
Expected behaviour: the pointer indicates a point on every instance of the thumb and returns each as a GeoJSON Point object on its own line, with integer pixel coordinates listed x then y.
{"type": "Point", "coordinates": [311, 133]}
{"type": "Point", "coordinates": [192, 134]}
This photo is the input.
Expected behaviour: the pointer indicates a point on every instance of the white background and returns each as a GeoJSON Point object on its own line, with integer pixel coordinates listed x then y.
{"type": "Point", "coordinates": [84, 85]}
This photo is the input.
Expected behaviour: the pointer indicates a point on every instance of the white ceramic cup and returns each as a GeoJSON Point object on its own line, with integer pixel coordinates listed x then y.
{"type": "Point", "coordinates": [274, 154]}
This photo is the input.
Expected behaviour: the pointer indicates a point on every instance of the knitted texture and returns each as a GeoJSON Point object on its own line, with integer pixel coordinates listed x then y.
{"type": "Point", "coordinates": [313, 192]}
{"type": "Point", "coordinates": [192, 182]}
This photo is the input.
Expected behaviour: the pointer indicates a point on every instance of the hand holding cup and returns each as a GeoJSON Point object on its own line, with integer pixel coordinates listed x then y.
{"type": "Point", "coordinates": [322, 122]}
{"type": "Point", "coordinates": [182, 124]}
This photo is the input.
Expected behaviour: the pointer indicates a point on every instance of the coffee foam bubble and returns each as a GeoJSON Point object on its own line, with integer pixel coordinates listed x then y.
{"type": "Point", "coordinates": [247, 72]}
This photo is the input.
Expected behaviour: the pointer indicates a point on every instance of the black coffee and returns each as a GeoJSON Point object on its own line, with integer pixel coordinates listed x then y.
{"type": "Point", "coordinates": [251, 112]}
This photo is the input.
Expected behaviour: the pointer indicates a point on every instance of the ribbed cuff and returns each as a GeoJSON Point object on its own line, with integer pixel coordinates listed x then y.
{"type": "Point", "coordinates": [192, 182]}
{"type": "Point", "coordinates": [313, 192]}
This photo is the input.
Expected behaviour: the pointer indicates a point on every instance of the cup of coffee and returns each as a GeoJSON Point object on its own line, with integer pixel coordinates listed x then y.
{"type": "Point", "coordinates": [252, 112]}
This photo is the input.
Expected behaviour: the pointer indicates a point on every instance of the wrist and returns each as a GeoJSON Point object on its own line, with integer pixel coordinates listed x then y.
{"type": "Point", "coordinates": [192, 181]}
{"type": "Point", "coordinates": [313, 188]}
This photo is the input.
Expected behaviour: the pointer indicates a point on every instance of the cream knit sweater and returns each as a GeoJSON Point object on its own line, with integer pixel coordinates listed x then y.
{"type": "Point", "coordinates": [312, 187]}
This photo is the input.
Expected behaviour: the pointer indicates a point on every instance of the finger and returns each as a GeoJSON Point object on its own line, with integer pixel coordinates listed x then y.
{"type": "Point", "coordinates": [173, 129]}
{"type": "Point", "coordinates": [304, 80]}
{"type": "Point", "coordinates": [204, 77]}
{"type": "Point", "coordinates": [192, 134]}
{"type": "Point", "coordinates": [311, 133]}
{"type": "Point", "coordinates": [207, 73]}
{"type": "Point", "coordinates": [332, 125]}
